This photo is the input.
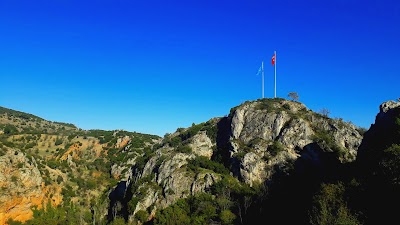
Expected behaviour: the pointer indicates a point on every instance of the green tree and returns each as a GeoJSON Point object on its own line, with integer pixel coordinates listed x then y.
{"type": "Point", "coordinates": [227, 217]}
{"type": "Point", "coordinates": [10, 129]}
{"type": "Point", "coordinates": [390, 165]}
{"type": "Point", "coordinates": [329, 207]}
{"type": "Point", "coordinates": [59, 179]}
{"type": "Point", "coordinates": [184, 149]}
{"type": "Point", "coordinates": [172, 215]}
{"type": "Point", "coordinates": [275, 148]}
{"type": "Point", "coordinates": [142, 216]}
{"type": "Point", "coordinates": [118, 221]}
{"type": "Point", "coordinates": [58, 142]}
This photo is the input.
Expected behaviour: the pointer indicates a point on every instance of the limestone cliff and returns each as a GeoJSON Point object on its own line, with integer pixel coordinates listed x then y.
{"type": "Point", "coordinates": [273, 132]}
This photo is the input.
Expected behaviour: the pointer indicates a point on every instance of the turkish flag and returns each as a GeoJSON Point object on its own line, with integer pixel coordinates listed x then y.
{"type": "Point", "coordinates": [273, 60]}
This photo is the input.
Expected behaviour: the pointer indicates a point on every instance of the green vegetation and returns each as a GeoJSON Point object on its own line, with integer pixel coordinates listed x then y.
{"type": "Point", "coordinates": [329, 207]}
{"type": "Point", "coordinates": [184, 149]}
{"type": "Point", "coordinates": [63, 215]}
{"type": "Point", "coordinates": [58, 142]}
{"type": "Point", "coordinates": [390, 165]}
{"type": "Point", "coordinates": [270, 104]}
{"type": "Point", "coordinates": [185, 134]}
{"type": "Point", "coordinates": [203, 162]}
{"type": "Point", "coordinates": [10, 129]}
{"type": "Point", "coordinates": [226, 203]}
{"type": "Point", "coordinates": [275, 148]}
{"type": "Point", "coordinates": [86, 172]}
{"type": "Point", "coordinates": [142, 216]}
{"type": "Point", "coordinates": [66, 124]}
{"type": "Point", "coordinates": [327, 142]}
{"type": "Point", "coordinates": [18, 114]}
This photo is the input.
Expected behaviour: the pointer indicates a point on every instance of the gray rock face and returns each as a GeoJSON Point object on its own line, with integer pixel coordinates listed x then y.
{"type": "Point", "coordinates": [297, 133]}
{"type": "Point", "coordinates": [249, 123]}
{"type": "Point", "coordinates": [26, 172]}
{"type": "Point", "coordinates": [123, 172]}
{"type": "Point", "coordinates": [169, 166]}
{"type": "Point", "coordinates": [201, 145]}
{"type": "Point", "coordinates": [203, 181]}
{"type": "Point", "coordinates": [386, 106]}
{"type": "Point", "coordinates": [253, 169]}
{"type": "Point", "coordinates": [289, 123]}
{"type": "Point", "coordinates": [151, 197]}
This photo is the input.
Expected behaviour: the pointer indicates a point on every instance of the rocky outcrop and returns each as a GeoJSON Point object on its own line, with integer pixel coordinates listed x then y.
{"type": "Point", "coordinates": [257, 125]}
{"type": "Point", "coordinates": [122, 172]}
{"type": "Point", "coordinates": [381, 135]}
{"type": "Point", "coordinates": [122, 141]}
{"type": "Point", "coordinates": [22, 187]}
{"type": "Point", "coordinates": [201, 145]}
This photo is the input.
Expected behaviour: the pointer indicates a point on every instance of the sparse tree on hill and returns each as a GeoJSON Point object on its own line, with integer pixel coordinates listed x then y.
{"type": "Point", "coordinates": [325, 112]}
{"type": "Point", "coordinates": [294, 96]}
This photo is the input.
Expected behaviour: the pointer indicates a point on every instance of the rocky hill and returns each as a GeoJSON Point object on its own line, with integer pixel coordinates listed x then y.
{"type": "Point", "coordinates": [273, 160]}
{"type": "Point", "coordinates": [45, 163]}
{"type": "Point", "coordinates": [257, 141]}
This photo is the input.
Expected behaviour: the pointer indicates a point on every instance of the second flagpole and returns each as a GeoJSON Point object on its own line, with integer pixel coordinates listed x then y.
{"type": "Point", "coordinates": [262, 75]}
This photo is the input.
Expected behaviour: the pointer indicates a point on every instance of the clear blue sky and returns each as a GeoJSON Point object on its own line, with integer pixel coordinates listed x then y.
{"type": "Point", "coordinates": [153, 66]}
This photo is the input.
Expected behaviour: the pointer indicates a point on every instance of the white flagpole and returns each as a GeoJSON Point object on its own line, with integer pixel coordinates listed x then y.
{"type": "Point", "coordinates": [275, 74]}
{"type": "Point", "coordinates": [262, 70]}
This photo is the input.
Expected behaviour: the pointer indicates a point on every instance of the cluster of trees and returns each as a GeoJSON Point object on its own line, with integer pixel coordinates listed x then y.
{"type": "Point", "coordinates": [210, 128]}
{"type": "Point", "coordinates": [227, 202]}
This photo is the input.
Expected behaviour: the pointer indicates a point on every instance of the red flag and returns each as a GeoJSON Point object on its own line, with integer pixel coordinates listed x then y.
{"type": "Point", "coordinates": [273, 60]}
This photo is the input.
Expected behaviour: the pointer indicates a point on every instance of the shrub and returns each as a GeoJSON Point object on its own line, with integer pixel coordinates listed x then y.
{"type": "Point", "coordinates": [390, 165]}
{"type": "Point", "coordinates": [142, 216]}
{"type": "Point", "coordinates": [327, 142]}
{"type": "Point", "coordinates": [10, 129]}
{"type": "Point", "coordinates": [58, 142]}
{"type": "Point", "coordinates": [184, 149]}
{"type": "Point", "coordinates": [275, 148]}
{"type": "Point", "coordinates": [59, 179]}
{"type": "Point", "coordinates": [175, 141]}
{"type": "Point", "coordinates": [227, 217]}
{"type": "Point", "coordinates": [14, 178]}
{"type": "Point", "coordinates": [204, 162]}
{"type": "Point", "coordinates": [118, 221]}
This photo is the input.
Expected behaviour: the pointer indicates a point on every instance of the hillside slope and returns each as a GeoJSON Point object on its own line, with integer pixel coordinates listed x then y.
{"type": "Point", "coordinates": [52, 164]}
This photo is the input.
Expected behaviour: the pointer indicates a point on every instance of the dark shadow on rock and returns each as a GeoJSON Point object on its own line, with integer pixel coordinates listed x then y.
{"type": "Point", "coordinates": [292, 187]}
{"type": "Point", "coordinates": [118, 203]}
